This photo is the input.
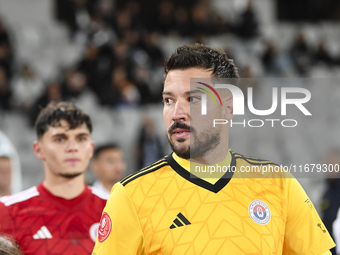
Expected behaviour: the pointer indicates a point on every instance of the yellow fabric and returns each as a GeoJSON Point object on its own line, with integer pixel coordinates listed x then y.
{"type": "Point", "coordinates": [144, 206]}
{"type": "Point", "coordinates": [186, 165]}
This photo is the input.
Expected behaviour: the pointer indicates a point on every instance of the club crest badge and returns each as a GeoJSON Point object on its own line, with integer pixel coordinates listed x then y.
{"type": "Point", "coordinates": [105, 226]}
{"type": "Point", "coordinates": [259, 212]}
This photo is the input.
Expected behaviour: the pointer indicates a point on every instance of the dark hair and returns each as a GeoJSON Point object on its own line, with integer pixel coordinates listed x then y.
{"type": "Point", "coordinates": [8, 246]}
{"type": "Point", "coordinates": [55, 112]}
{"type": "Point", "coordinates": [202, 56]}
{"type": "Point", "coordinates": [101, 148]}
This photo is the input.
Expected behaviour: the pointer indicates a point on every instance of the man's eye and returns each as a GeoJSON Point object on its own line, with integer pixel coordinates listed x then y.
{"type": "Point", "coordinates": [81, 139]}
{"type": "Point", "coordinates": [59, 140]}
{"type": "Point", "coordinates": [194, 99]}
{"type": "Point", "coordinates": [168, 101]}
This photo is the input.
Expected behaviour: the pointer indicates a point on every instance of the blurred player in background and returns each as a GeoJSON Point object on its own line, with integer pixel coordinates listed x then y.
{"type": "Point", "coordinates": [10, 168]}
{"type": "Point", "coordinates": [108, 165]}
{"type": "Point", "coordinates": [165, 209]}
{"type": "Point", "coordinates": [330, 202]}
{"type": "Point", "coordinates": [60, 215]}
{"type": "Point", "coordinates": [5, 176]}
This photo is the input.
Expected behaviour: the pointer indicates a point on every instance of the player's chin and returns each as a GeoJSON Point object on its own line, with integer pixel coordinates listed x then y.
{"type": "Point", "coordinates": [71, 175]}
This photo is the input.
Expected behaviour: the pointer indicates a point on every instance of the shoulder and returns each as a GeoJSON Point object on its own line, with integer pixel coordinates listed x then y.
{"type": "Point", "coordinates": [252, 167]}
{"type": "Point", "coordinates": [20, 197]}
{"type": "Point", "coordinates": [145, 171]}
{"type": "Point", "coordinates": [251, 160]}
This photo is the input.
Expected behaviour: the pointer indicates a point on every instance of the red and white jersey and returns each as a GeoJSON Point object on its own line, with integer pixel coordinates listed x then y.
{"type": "Point", "coordinates": [45, 224]}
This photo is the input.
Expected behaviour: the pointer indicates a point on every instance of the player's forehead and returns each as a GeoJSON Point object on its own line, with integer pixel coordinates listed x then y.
{"type": "Point", "coordinates": [110, 153]}
{"type": "Point", "coordinates": [178, 81]}
{"type": "Point", "coordinates": [63, 127]}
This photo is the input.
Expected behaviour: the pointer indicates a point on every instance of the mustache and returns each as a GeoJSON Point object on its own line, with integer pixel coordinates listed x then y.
{"type": "Point", "coordinates": [180, 125]}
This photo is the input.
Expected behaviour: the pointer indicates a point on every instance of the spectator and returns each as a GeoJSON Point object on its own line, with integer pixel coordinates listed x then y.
{"type": "Point", "coordinates": [74, 84]}
{"type": "Point", "coordinates": [51, 94]}
{"type": "Point", "coordinates": [5, 91]}
{"type": "Point", "coordinates": [89, 65]}
{"type": "Point", "coordinates": [201, 24]}
{"type": "Point", "coordinates": [108, 165]}
{"type": "Point", "coordinates": [76, 14]}
{"type": "Point", "coordinates": [165, 19]}
{"type": "Point", "coordinates": [6, 54]}
{"type": "Point", "coordinates": [149, 147]}
{"type": "Point", "coordinates": [322, 56]}
{"type": "Point", "coordinates": [149, 45]}
{"type": "Point", "coordinates": [134, 8]}
{"type": "Point", "coordinates": [4, 35]}
{"type": "Point", "coordinates": [123, 22]}
{"type": "Point", "coordinates": [128, 94]}
{"type": "Point", "coordinates": [106, 12]}
{"type": "Point", "coordinates": [247, 26]}
{"type": "Point", "coordinates": [141, 79]}
{"type": "Point", "coordinates": [270, 60]}
{"type": "Point", "coordinates": [182, 22]}
{"type": "Point", "coordinates": [26, 88]}
{"type": "Point", "coordinates": [300, 54]}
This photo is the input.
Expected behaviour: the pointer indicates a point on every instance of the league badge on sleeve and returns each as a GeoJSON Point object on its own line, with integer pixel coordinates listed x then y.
{"type": "Point", "coordinates": [105, 226]}
{"type": "Point", "coordinates": [93, 231]}
{"type": "Point", "coordinates": [259, 212]}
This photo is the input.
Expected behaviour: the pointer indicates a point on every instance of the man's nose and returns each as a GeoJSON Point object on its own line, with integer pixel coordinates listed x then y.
{"type": "Point", "coordinates": [181, 111]}
{"type": "Point", "coordinates": [72, 145]}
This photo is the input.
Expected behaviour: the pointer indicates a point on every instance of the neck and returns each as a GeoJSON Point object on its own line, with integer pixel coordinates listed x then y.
{"type": "Point", "coordinates": [63, 187]}
{"type": "Point", "coordinates": [108, 185]}
{"type": "Point", "coordinates": [5, 191]}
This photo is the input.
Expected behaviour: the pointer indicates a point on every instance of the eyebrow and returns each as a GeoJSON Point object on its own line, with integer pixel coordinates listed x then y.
{"type": "Point", "coordinates": [59, 134]}
{"type": "Point", "coordinates": [185, 93]}
{"type": "Point", "coordinates": [83, 134]}
{"type": "Point", "coordinates": [64, 135]}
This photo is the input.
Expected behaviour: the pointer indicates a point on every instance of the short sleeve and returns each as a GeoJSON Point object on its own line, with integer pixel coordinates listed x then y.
{"type": "Point", "coordinates": [305, 233]}
{"type": "Point", "coordinates": [119, 230]}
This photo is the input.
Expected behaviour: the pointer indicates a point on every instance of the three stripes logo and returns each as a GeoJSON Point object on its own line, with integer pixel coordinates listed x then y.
{"type": "Point", "coordinates": [180, 221]}
{"type": "Point", "coordinates": [204, 97]}
{"type": "Point", "coordinates": [43, 233]}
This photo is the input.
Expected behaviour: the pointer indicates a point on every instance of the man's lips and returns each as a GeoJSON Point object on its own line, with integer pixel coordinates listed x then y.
{"type": "Point", "coordinates": [72, 160]}
{"type": "Point", "coordinates": [181, 133]}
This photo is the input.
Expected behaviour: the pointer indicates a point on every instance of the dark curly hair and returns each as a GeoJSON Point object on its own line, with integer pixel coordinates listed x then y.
{"type": "Point", "coordinates": [55, 112]}
{"type": "Point", "coordinates": [202, 56]}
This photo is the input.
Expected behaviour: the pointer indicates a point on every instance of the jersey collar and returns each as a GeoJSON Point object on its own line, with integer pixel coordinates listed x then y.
{"type": "Point", "coordinates": [182, 167]}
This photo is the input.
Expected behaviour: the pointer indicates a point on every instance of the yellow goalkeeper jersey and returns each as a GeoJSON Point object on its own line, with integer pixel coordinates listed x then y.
{"type": "Point", "coordinates": [163, 210]}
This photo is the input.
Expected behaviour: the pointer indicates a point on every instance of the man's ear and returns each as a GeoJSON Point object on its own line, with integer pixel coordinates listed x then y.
{"type": "Point", "coordinates": [38, 150]}
{"type": "Point", "coordinates": [228, 108]}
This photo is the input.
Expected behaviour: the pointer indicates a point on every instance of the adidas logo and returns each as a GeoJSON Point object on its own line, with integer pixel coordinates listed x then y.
{"type": "Point", "coordinates": [43, 233]}
{"type": "Point", "coordinates": [180, 221]}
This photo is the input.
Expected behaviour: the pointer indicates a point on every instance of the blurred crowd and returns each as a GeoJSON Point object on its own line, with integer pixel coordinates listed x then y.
{"type": "Point", "coordinates": [122, 53]}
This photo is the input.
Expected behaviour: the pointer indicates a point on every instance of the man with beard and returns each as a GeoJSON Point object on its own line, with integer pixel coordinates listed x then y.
{"type": "Point", "coordinates": [61, 215]}
{"type": "Point", "coordinates": [170, 208]}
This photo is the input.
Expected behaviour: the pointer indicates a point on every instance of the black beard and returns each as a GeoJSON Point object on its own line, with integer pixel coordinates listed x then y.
{"type": "Point", "coordinates": [198, 148]}
{"type": "Point", "coordinates": [70, 176]}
